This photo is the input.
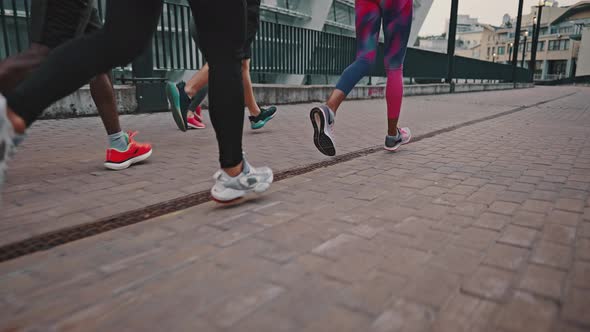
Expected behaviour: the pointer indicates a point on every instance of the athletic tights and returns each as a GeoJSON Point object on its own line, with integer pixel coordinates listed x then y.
{"type": "Point", "coordinates": [128, 29]}
{"type": "Point", "coordinates": [396, 17]}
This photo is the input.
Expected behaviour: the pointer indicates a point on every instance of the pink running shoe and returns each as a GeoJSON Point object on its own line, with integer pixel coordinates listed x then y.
{"type": "Point", "coordinates": [194, 122]}
{"type": "Point", "coordinates": [406, 135]}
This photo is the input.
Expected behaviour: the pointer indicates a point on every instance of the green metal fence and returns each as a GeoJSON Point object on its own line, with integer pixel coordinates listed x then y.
{"type": "Point", "coordinates": [278, 49]}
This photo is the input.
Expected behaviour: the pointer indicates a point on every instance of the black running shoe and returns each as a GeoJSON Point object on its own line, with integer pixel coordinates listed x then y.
{"type": "Point", "coordinates": [266, 114]}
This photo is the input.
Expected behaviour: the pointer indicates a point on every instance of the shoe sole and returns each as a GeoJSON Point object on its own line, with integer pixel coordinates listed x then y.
{"type": "Point", "coordinates": [260, 124]}
{"type": "Point", "coordinates": [322, 141]}
{"type": "Point", "coordinates": [258, 189]}
{"type": "Point", "coordinates": [174, 101]}
{"type": "Point", "coordinates": [126, 164]}
{"type": "Point", "coordinates": [394, 148]}
{"type": "Point", "coordinates": [191, 126]}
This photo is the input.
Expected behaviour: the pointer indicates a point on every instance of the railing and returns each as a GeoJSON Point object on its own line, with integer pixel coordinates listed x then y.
{"type": "Point", "coordinates": [278, 49]}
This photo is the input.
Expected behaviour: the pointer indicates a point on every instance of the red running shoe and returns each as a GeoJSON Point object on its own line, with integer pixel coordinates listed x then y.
{"type": "Point", "coordinates": [194, 122]}
{"type": "Point", "coordinates": [136, 152]}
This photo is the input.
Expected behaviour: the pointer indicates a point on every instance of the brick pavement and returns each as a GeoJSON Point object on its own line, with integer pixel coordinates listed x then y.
{"type": "Point", "coordinates": [57, 179]}
{"type": "Point", "coordinates": [485, 228]}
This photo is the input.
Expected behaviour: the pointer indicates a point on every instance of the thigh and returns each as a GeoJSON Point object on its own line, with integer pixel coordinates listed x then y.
{"type": "Point", "coordinates": [221, 26]}
{"type": "Point", "coordinates": [53, 22]}
{"type": "Point", "coordinates": [397, 23]}
{"type": "Point", "coordinates": [252, 25]}
{"type": "Point", "coordinates": [368, 26]}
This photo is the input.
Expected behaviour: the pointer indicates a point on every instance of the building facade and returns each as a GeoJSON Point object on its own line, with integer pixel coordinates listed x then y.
{"type": "Point", "coordinates": [560, 41]}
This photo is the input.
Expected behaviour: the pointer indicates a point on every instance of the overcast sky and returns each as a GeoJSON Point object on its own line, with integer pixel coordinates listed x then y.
{"type": "Point", "coordinates": [487, 11]}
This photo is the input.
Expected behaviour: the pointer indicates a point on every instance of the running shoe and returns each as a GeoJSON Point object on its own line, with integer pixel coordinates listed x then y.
{"type": "Point", "coordinates": [392, 143]}
{"type": "Point", "coordinates": [228, 189]}
{"type": "Point", "coordinates": [322, 119]}
{"type": "Point", "coordinates": [266, 114]}
{"type": "Point", "coordinates": [178, 102]}
{"type": "Point", "coordinates": [135, 153]}
{"type": "Point", "coordinates": [6, 140]}
{"type": "Point", "coordinates": [194, 122]}
{"type": "Point", "coordinates": [406, 134]}
{"type": "Point", "coordinates": [198, 112]}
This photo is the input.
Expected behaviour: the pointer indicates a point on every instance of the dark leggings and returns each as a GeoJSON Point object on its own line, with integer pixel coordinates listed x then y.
{"type": "Point", "coordinates": [128, 29]}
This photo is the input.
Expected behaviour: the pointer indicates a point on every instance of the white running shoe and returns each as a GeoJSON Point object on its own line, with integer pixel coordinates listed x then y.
{"type": "Point", "coordinates": [6, 140]}
{"type": "Point", "coordinates": [228, 189]}
{"type": "Point", "coordinates": [322, 120]}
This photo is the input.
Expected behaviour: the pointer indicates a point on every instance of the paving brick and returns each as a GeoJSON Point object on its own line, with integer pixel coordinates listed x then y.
{"type": "Point", "coordinates": [476, 238]}
{"type": "Point", "coordinates": [464, 313]}
{"type": "Point", "coordinates": [492, 221]}
{"type": "Point", "coordinates": [488, 283]}
{"type": "Point", "coordinates": [235, 309]}
{"type": "Point", "coordinates": [559, 234]}
{"type": "Point", "coordinates": [351, 267]}
{"type": "Point", "coordinates": [581, 275]}
{"type": "Point", "coordinates": [566, 218]}
{"type": "Point", "coordinates": [339, 319]}
{"type": "Point", "coordinates": [583, 249]}
{"type": "Point", "coordinates": [576, 307]}
{"type": "Point", "coordinates": [514, 196]}
{"type": "Point", "coordinates": [404, 316]}
{"type": "Point", "coordinates": [529, 219]}
{"type": "Point", "coordinates": [525, 312]}
{"type": "Point", "coordinates": [505, 208]}
{"type": "Point", "coordinates": [432, 286]}
{"type": "Point", "coordinates": [457, 260]}
{"type": "Point", "coordinates": [373, 292]}
{"type": "Point", "coordinates": [544, 195]}
{"type": "Point", "coordinates": [543, 281]}
{"type": "Point", "coordinates": [552, 255]}
{"type": "Point", "coordinates": [518, 236]}
{"type": "Point", "coordinates": [537, 206]}
{"type": "Point", "coordinates": [506, 256]}
{"type": "Point", "coordinates": [567, 204]}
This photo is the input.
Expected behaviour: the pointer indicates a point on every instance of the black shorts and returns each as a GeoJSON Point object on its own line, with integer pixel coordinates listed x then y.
{"type": "Point", "coordinates": [252, 25]}
{"type": "Point", "coordinates": [53, 22]}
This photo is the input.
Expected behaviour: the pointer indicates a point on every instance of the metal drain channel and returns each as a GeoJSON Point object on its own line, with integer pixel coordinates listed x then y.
{"type": "Point", "coordinates": [56, 238]}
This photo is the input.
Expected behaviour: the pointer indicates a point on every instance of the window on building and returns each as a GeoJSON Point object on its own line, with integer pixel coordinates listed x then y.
{"type": "Point", "coordinates": [566, 30]}
{"type": "Point", "coordinates": [559, 45]}
{"type": "Point", "coordinates": [558, 67]}
{"type": "Point", "coordinates": [501, 50]}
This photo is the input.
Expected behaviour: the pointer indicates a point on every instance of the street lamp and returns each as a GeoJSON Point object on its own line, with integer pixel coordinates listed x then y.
{"type": "Point", "coordinates": [526, 34]}
{"type": "Point", "coordinates": [537, 32]}
{"type": "Point", "coordinates": [510, 46]}
{"type": "Point", "coordinates": [494, 57]}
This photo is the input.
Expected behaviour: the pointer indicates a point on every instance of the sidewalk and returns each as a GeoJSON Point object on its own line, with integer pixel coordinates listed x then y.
{"type": "Point", "coordinates": [483, 228]}
{"type": "Point", "coordinates": [57, 179]}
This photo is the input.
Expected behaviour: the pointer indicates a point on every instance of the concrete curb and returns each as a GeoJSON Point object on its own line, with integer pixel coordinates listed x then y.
{"type": "Point", "coordinates": [80, 103]}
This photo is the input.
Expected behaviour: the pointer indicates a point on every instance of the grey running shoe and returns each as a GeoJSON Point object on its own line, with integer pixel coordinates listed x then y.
{"type": "Point", "coordinates": [228, 189]}
{"type": "Point", "coordinates": [322, 120]}
{"type": "Point", "coordinates": [392, 143]}
{"type": "Point", "coordinates": [6, 141]}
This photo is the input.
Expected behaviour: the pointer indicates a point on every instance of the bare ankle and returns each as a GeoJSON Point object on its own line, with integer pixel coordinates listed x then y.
{"type": "Point", "coordinates": [18, 124]}
{"type": "Point", "coordinates": [234, 171]}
